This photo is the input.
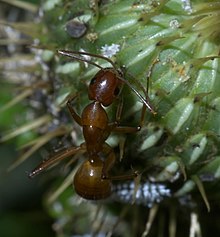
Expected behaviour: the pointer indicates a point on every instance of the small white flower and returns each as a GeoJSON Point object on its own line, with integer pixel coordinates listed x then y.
{"type": "Point", "coordinates": [110, 50]}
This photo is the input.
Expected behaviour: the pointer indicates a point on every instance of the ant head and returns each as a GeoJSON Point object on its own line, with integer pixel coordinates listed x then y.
{"type": "Point", "coordinates": [105, 86]}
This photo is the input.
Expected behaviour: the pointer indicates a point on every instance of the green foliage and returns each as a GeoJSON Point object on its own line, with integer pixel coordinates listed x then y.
{"type": "Point", "coordinates": [172, 46]}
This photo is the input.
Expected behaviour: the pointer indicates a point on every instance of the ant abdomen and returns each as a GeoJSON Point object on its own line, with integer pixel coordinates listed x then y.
{"type": "Point", "coordinates": [88, 181]}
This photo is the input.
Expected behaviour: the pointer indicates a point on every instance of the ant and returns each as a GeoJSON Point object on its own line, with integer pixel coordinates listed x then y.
{"type": "Point", "coordinates": [92, 180]}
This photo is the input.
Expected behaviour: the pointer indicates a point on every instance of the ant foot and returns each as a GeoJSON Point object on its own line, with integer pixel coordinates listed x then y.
{"type": "Point", "coordinates": [136, 173]}
{"type": "Point", "coordinates": [104, 176]}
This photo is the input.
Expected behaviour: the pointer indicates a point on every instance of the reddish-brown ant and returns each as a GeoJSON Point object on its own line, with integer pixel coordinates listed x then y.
{"type": "Point", "coordinates": [92, 180]}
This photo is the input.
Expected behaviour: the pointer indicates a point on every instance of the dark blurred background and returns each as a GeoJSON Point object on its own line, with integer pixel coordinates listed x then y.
{"type": "Point", "coordinates": [21, 207]}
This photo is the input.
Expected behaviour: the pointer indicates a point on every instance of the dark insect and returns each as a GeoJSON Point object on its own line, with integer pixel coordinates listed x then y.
{"type": "Point", "coordinates": [92, 180]}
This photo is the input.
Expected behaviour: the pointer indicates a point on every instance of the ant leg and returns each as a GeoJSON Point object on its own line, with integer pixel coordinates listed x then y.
{"type": "Point", "coordinates": [73, 113]}
{"type": "Point", "coordinates": [122, 140]}
{"type": "Point", "coordinates": [150, 70]}
{"type": "Point", "coordinates": [56, 158]}
{"type": "Point", "coordinates": [119, 110]}
{"type": "Point", "coordinates": [123, 129]}
{"type": "Point", "coordinates": [109, 162]}
{"type": "Point", "coordinates": [127, 129]}
{"type": "Point", "coordinates": [147, 91]}
{"type": "Point", "coordinates": [115, 127]}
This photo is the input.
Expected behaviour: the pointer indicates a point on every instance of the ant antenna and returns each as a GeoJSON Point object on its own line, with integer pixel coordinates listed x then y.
{"type": "Point", "coordinates": [72, 54]}
{"type": "Point", "coordinates": [145, 101]}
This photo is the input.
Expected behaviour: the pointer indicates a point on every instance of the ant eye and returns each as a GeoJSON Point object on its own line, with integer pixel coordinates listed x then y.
{"type": "Point", "coordinates": [116, 91]}
{"type": "Point", "coordinates": [93, 80]}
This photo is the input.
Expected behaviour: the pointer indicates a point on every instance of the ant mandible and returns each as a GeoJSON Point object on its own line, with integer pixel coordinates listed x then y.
{"type": "Point", "coordinates": [92, 180]}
